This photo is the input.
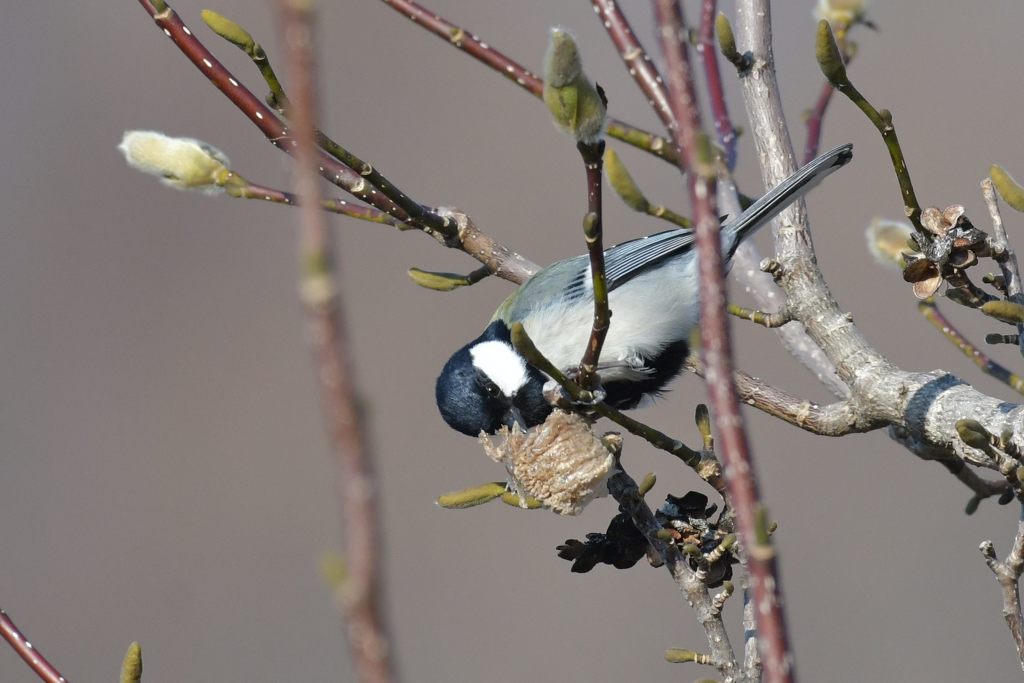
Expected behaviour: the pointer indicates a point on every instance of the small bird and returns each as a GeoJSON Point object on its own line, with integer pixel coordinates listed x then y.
{"type": "Point", "coordinates": [654, 298]}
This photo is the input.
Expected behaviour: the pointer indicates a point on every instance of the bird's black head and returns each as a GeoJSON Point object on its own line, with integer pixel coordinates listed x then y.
{"type": "Point", "coordinates": [487, 384]}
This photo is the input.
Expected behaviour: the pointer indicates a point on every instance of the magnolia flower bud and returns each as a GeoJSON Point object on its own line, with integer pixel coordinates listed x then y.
{"type": "Point", "coordinates": [888, 240]}
{"type": "Point", "coordinates": [182, 163]}
{"type": "Point", "coordinates": [840, 11]}
{"type": "Point", "coordinates": [575, 103]}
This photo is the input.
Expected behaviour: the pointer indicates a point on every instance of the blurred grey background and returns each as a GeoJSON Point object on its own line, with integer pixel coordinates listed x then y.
{"type": "Point", "coordinates": [164, 476]}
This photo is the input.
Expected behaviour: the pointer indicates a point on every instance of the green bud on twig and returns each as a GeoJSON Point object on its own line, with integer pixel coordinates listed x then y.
{"type": "Point", "coordinates": [334, 570]}
{"type": "Point", "coordinates": [994, 338]}
{"type": "Point", "coordinates": [1007, 311]}
{"type": "Point", "coordinates": [703, 419]}
{"type": "Point", "coordinates": [722, 548]}
{"type": "Point", "coordinates": [131, 667]}
{"type": "Point", "coordinates": [1011, 192]}
{"type": "Point", "coordinates": [830, 59]}
{"type": "Point", "coordinates": [648, 483]}
{"type": "Point", "coordinates": [229, 31]}
{"type": "Point", "coordinates": [513, 499]}
{"type": "Point", "coordinates": [446, 282]}
{"type": "Point", "coordinates": [622, 182]}
{"type": "Point", "coordinates": [972, 505]}
{"type": "Point", "coordinates": [727, 42]}
{"type": "Point", "coordinates": [574, 102]}
{"type": "Point", "coordinates": [471, 497]}
{"type": "Point", "coordinates": [680, 656]}
{"type": "Point", "coordinates": [1006, 497]}
{"type": "Point", "coordinates": [973, 434]}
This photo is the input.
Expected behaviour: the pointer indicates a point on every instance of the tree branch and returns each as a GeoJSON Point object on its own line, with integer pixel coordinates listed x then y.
{"type": "Point", "coordinates": [27, 651]}
{"type": "Point", "coordinates": [360, 593]}
{"type": "Point", "coordinates": [624, 490]}
{"type": "Point", "coordinates": [742, 488]}
{"type": "Point", "coordinates": [1008, 575]}
{"type": "Point", "coordinates": [472, 45]}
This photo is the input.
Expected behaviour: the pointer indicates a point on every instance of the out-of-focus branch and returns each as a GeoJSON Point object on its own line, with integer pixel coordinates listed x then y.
{"type": "Point", "coordinates": [742, 488]}
{"type": "Point", "coordinates": [360, 593]}
{"type": "Point", "coordinates": [713, 76]}
{"type": "Point", "coordinates": [27, 651]}
{"type": "Point", "coordinates": [472, 45]}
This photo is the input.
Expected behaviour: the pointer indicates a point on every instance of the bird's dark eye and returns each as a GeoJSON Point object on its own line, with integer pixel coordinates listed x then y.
{"type": "Point", "coordinates": [491, 389]}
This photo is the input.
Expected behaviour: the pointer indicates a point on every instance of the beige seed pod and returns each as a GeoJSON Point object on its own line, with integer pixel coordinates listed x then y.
{"type": "Point", "coordinates": [561, 462]}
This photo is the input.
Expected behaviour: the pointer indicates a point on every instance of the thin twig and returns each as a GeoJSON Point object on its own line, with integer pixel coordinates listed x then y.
{"type": "Point", "coordinates": [624, 490]}
{"type": "Point", "coordinates": [762, 318]}
{"type": "Point", "coordinates": [881, 119]}
{"type": "Point", "coordinates": [280, 100]}
{"type": "Point", "coordinates": [473, 241]}
{"type": "Point", "coordinates": [717, 350]}
{"type": "Point", "coordinates": [260, 114]}
{"type": "Point", "coordinates": [1008, 574]}
{"type": "Point", "coordinates": [713, 76]}
{"type": "Point", "coordinates": [471, 44]}
{"type": "Point", "coordinates": [593, 159]}
{"type": "Point", "coordinates": [933, 315]}
{"type": "Point", "coordinates": [360, 594]}
{"type": "Point", "coordinates": [1004, 254]}
{"type": "Point", "coordinates": [27, 651]}
{"type": "Point", "coordinates": [332, 205]}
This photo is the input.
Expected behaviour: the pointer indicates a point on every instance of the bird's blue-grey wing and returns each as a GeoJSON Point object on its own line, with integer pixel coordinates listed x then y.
{"type": "Point", "coordinates": [627, 260]}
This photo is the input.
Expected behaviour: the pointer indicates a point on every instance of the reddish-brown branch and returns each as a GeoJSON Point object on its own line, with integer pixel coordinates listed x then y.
{"type": "Point", "coordinates": [369, 642]}
{"type": "Point", "coordinates": [259, 113]}
{"type": "Point", "coordinates": [331, 204]}
{"type": "Point", "coordinates": [593, 161]}
{"type": "Point", "coordinates": [815, 119]}
{"type": "Point", "coordinates": [27, 651]}
{"type": "Point", "coordinates": [639, 64]}
{"type": "Point", "coordinates": [713, 75]}
{"type": "Point", "coordinates": [732, 441]}
{"type": "Point", "coordinates": [437, 223]}
{"type": "Point", "coordinates": [471, 44]}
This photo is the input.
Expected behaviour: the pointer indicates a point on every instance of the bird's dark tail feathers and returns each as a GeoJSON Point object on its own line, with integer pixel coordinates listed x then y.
{"type": "Point", "coordinates": [761, 212]}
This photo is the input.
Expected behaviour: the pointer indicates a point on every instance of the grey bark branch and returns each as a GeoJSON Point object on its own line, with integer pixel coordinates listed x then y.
{"type": "Point", "coordinates": [1008, 575]}
{"type": "Point", "coordinates": [1004, 254]}
{"type": "Point", "coordinates": [923, 407]}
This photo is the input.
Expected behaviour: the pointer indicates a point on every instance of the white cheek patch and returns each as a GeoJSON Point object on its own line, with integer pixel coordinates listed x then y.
{"type": "Point", "coordinates": [502, 364]}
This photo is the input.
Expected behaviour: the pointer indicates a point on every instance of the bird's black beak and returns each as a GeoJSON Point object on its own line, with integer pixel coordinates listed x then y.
{"type": "Point", "coordinates": [512, 417]}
